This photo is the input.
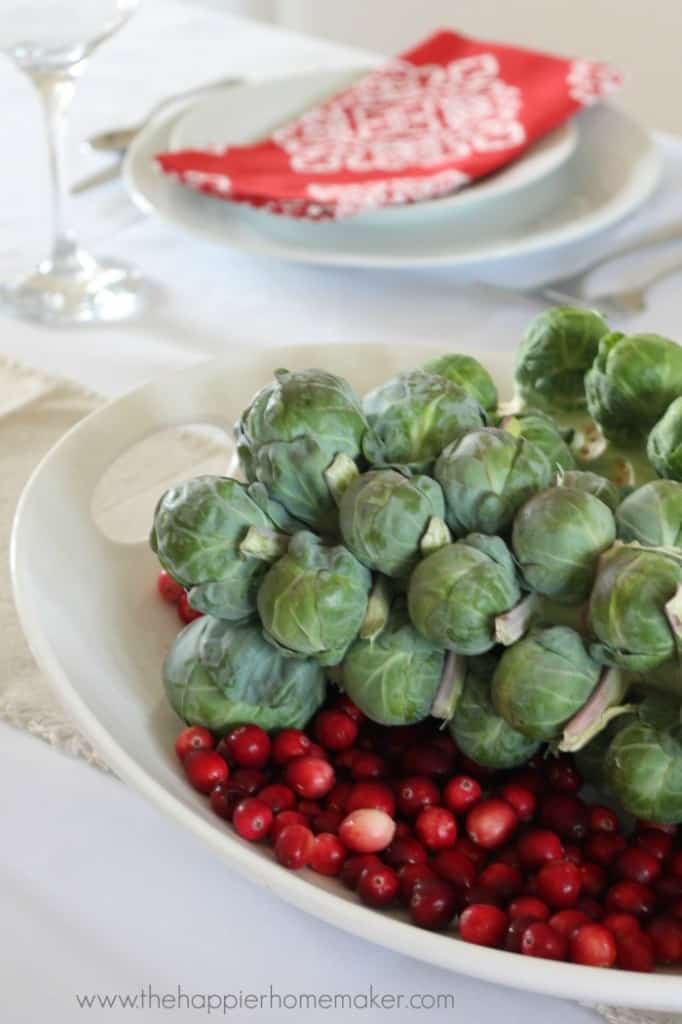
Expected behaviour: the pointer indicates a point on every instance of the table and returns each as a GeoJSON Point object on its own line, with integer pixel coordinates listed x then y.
{"type": "Point", "coordinates": [100, 893]}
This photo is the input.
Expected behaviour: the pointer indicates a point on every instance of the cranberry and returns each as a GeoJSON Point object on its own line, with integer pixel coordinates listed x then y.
{"type": "Point", "coordinates": [573, 853]}
{"type": "Point", "coordinates": [461, 793]}
{"type": "Point", "coordinates": [483, 925]}
{"type": "Point", "coordinates": [432, 904]}
{"type": "Point", "coordinates": [335, 730]}
{"type": "Point", "coordinates": [559, 884]}
{"type": "Point", "coordinates": [476, 854]}
{"type": "Point", "coordinates": [310, 777]}
{"type": "Point", "coordinates": [635, 952]}
{"type": "Point", "coordinates": [195, 737]}
{"type": "Point", "coordinates": [223, 801]}
{"type": "Point", "coordinates": [593, 945]}
{"type": "Point", "coordinates": [562, 775]}
{"type": "Point", "coordinates": [491, 823]}
{"type": "Point", "coordinates": [405, 850]}
{"type": "Point", "coordinates": [482, 894]}
{"type": "Point", "coordinates": [252, 819]}
{"type": "Point", "coordinates": [288, 744]}
{"type": "Point", "coordinates": [248, 746]}
{"type": "Point", "coordinates": [537, 847]}
{"type": "Point", "coordinates": [675, 910]}
{"type": "Point", "coordinates": [637, 865]}
{"type": "Point", "coordinates": [185, 611]}
{"type": "Point", "coordinates": [415, 793]}
{"type": "Point", "coordinates": [568, 921]}
{"type": "Point", "coordinates": [591, 908]}
{"type": "Point", "coordinates": [376, 795]}
{"type": "Point", "coordinates": [602, 819]}
{"type": "Point", "coordinates": [452, 866]}
{"type": "Point", "coordinates": [249, 780]}
{"type": "Point", "coordinates": [517, 926]}
{"type": "Point", "coordinates": [326, 821]}
{"type": "Point", "coordinates": [621, 924]}
{"type": "Point", "coordinates": [205, 769]}
{"type": "Point", "coordinates": [337, 797]}
{"type": "Point", "coordinates": [521, 799]}
{"type": "Point", "coordinates": [354, 866]}
{"type": "Point", "coordinates": [444, 741]}
{"type": "Point", "coordinates": [366, 830]}
{"type": "Point", "coordinates": [659, 826]}
{"type": "Point", "coordinates": [540, 939]}
{"type": "Point", "coordinates": [294, 846]}
{"type": "Point", "coordinates": [655, 842]}
{"type": "Point", "coordinates": [394, 741]}
{"type": "Point", "coordinates": [411, 875]}
{"type": "Point", "coordinates": [284, 819]}
{"type": "Point", "coordinates": [308, 807]}
{"type": "Point", "coordinates": [429, 759]}
{"type": "Point", "coordinates": [403, 830]}
{"type": "Point", "coordinates": [631, 897]}
{"type": "Point", "coordinates": [666, 935]}
{"type": "Point", "coordinates": [529, 778]}
{"type": "Point", "coordinates": [436, 828]}
{"type": "Point", "coordinates": [367, 765]}
{"type": "Point", "coordinates": [378, 886]}
{"type": "Point", "coordinates": [503, 879]}
{"type": "Point", "coordinates": [604, 847]}
{"type": "Point", "coordinates": [675, 864]}
{"type": "Point", "coordinates": [169, 589]}
{"type": "Point", "coordinates": [565, 815]}
{"type": "Point", "coordinates": [509, 855]}
{"type": "Point", "coordinates": [593, 879]}
{"type": "Point", "coordinates": [529, 908]}
{"type": "Point", "coordinates": [278, 797]}
{"type": "Point", "coordinates": [668, 888]}
{"type": "Point", "coordinates": [345, 704]}
{"type": "Point", "coordinates": [344, 759]}
{"type": "Point", "coordinates": [328, 854]}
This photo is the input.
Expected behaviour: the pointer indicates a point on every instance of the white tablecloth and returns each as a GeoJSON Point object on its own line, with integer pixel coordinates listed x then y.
{"type": "Point", "coordinates": [99, 893]}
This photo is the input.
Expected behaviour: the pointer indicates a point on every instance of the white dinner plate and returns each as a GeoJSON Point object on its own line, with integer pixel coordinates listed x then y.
{"type": "Point", "coordinates": [246, 113]}
{"type": "Point", "coordinates": [99, 632]}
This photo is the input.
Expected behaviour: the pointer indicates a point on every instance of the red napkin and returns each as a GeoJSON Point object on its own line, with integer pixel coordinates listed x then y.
{"type": "Point", "coordinates": [443, 114]}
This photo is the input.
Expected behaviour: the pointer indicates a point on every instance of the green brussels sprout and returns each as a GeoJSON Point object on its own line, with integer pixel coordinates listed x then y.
{"type": "Point", "coordinates": [478, 730]}
{"type": "Point", "coordinates": [652, 515]}
{"type": "Point", "coordinates": [543, 432]}
{"type": "Point", "coordinates": [557, 539]}
{"type": "Point", "coordinates": [200, 535]}
{"type": "Point", "coordinates": [456, 594]}
{"type": "Point", "coordinates": [313, 600]}
{"type": "Point", "coordinates": [664, 447]}
{"type": "Point", "coordinates": [593, 483]}
{"type": "Point", "coordinates": [543, 680]}
{"type": "Point", "coordinates": [632, 382]}
{"type": "Point", "coordinates": [384, 516]}
{"type": "Point", "coordinates": [486, 476]}
{"type": "Point", "coordinates": [468, 373]}
{"type": "Point", "coordinates": [556, 352]}
{"type": "Point", "coordinates": [631, 610]}
{"type": "Point", "coordinates": [220, 674]}
{"type": "Point", "coordinates": [393, 677]}
{"type": "Point", "coordinates": [590, 760]}
{"type": "Point", "coordinates": [643, 763]}
{"type": "Point", "coordinates": [290, 435]}
{"type": "Point", "coordinates": [413, 417]}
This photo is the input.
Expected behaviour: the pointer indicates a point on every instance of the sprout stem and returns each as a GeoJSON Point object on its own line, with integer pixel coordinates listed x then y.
{"type": "Point", "coordinates": [268, 545]}
{"type": "Point", "coordinates": [450, 689]}
{"type": "Point", "coordinates": [378, 608]}
{"type": "Point", "coordinates": [673, 612]}
{"type": "Point", "coordinates": [436, 536]}
{"type": "Point", "coordinates": [511, 626]}
{"type": "Point", "coordinates": [600, 708]}
{"type": "Point", "coordinates": [340, 474]}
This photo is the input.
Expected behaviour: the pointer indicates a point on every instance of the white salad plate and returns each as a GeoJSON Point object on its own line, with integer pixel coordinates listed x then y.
{"type": "Point", "coordinates": [99, 632]}
{"type": "Point", "coordinates": [613, 169]}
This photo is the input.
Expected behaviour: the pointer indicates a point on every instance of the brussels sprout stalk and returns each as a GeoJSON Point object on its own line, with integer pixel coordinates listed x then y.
{"type": "Point", "coordinates": [378, 607]}
{"type": "Point", "coordinates": [602, 707]}
{"type": "Point", "coordinates": [340, 474]}
{"type": "Point", "coordinates": [511, 626]}
{"type": "Point", "coordinates": [437, 535]}
{"type": "Point", "coordinates": [268, 545]}
{"type": "Point", "coordinates": [451, 685]}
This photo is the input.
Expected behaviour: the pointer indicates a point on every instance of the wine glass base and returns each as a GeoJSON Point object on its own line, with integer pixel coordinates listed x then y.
{"type": "Point", "coordinates": [81, 290]}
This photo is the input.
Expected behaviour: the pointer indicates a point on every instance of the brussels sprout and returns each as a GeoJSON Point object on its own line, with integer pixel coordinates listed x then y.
{"type": "Point", "coordinates": [557, 539]}
{"type": "Point", "coordinates": [199, 534]}
{"type": "Point", "coordinates": [593, 483]}
{"type": "Point", "coordinates": [478, 730]}
{"type": "Point", "coordinates": [543, 680]}
{"type": "Point", "coordinates": [632, 382]}
{"type": "Point", "coordinates": [468, 373]}
{"type": "Point", "coordinates": [631, 607]}
{"type": "Point", "coordinates": [643, 763]}
{"type": "Point", "coordinates": [557, 350]}
{"type": "Point", "coordinates": [291, 433]}
{"type": "Point", "coordinates": [456, 594]}
{"type": "Point", "coordinates": [313, 600]}
{"type": "Point", "coordinates": [543, 432]}
{"type": "Point", "coordinates": [652, 515]}
{"type": "Point", "coordinates": [412, 418]}
{"type": "Point", "coordinates": [486, 476]}
{"type": "Point", "coordinates": [590, 759]}
{"type": "Point", "coordinates": [664, 447]}
{"type": "Point", "coordinates": [384, 516]}
{"type": "Point", "coordinates": [394, 677]}
{"type": "Point", "coordinates": [220, 674]}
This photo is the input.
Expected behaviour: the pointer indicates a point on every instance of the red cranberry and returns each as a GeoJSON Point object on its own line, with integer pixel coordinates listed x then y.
{"type": "Point", "coordinates": [444, 741]}
{"type": "Point", "coordinates": [675, 864]}
{"type": "Point", "coordinates": [436, 828]}
{"type": "Point", "coordinates": [659, 826]}
{"type": "Point", "coordinates": [248, 746]}
{"type": "Point", "coordinates": [252, 819]}
{"type": "Point", "coordinates": [461, 793]}
{"type": "Point", "coordinates": [328, 854]}
{"type": "Point", "coordinates": [517, 926]}
{"type": "Point", "coordinates": [593, 945]}
{"type": "Point", "coordinates": [284, 819]}
{"type": "Point", "coordinates": [503, 879]}
{"type": "Point", "coordinates": [568, 921]}
{"type": "Point", "coordinates": [326, 821]}
{"type": "Point", "coordinates": [345, 704]}
{"type": "Point", "coordinates": [308, 807]}
{"type": "Point", "coordinates": [521, 799]}
{"type": "Point", "coordinates": [367, 765]}
{"type": "Point", "coordinates": [593, 879]}
{"type": "Point", "coordinates": [335, 730]}
{"type": "Point", "coordinates": [249, 780]}
{"type": "Point", "coordinates": [195, 737]}
{"type": "Point", "coordinates": [604, 847]}
{"type": "Point", "coordinates": [630, 897]}
{"type": "Point", "coordinates": [310, 777]}
{"type": "Point", "coordinates": [591, 908]}
{"type": "Point", "coordinates": [559, 884]}
{"type": "Point", "coordinates": [621, 924]}
{"type": "Point", "coordinates": [376, 795]}
{"type": "Point", "coordinates": [537, 847]}
{"type": "Point", "coordinates": [366, 830]}
{"type": "Point", "coordinates": [223, 801]}
{"type": "Point", "coordinates": [637, 865]}
{"type": "Point", "coordinates": [540, 939]}
{"type": "Point", "coordinates": [405, 850]}
{"type": "Point", "coordinates": [432, 904]}
{"type": "Point", "coordinates": [491, 823]}
{"type": "Point", "coordinates": [483, 925]}
{"type": "Point", "coordinates": [185, 611]}
{"type": "Point", "coordinates": [315, 750]}
{"type": "Point", "coordinates": [530, 908]}
{"type": "Point", "coordinates": [635, 952]}
{"type": "Point", "coordinates": [428, 760]}
{"type": "Point", "coordinates": [169, 589]}
{"type": "Point", "coordinates": [476, 854]}
{"type": "Point", "coordinates": [562, 775]}
{"type": "Point", "coordinates": [403, 830]}
{"type": "Point", "coordinates": [278, 797]}
{"type": "Point", "coordinates": [482, 894]}
{"type": "Point", "coordinates": [344, 759]}
{"type": "Point", "coordinates": [394, 741]}
{"type": "Point", "coordinates": [378, 886]}
{"type": "Point", "coordinates": [288, 744]}
{"type": "Point", "coordinates": [411, 875]}
{"type": "Point", "coordinates": [509, 855]}
{"type": "Point", "coordinates": [668, 888]}
{"type": "Point", "coordinates": [454, 867]}
{"type": "Point", "coordinates": [675, 910]}
{"type": "Point", "coordinates": [354, 866]}
{"type": "Point", "coordinates": [337, 798]}
{"type": "Point", "coordinates": [565, 815]}
{"type": "Point", "coordinates": [655, 842]}
{"type": "Point", "coordinates": [415, 793]}
{"type": "Point", "coordinates": [294, 846]}
{"type": "Point", "coordinates": [666, 935]}
{"type": "Point", "coordinates": [529, 778]}
{"type": "Point", "coordinates": [602, 819]}
{"type": "Point", "coordinates": [205, 769]}
{"type": "Point", "coordinates": [573, 853]}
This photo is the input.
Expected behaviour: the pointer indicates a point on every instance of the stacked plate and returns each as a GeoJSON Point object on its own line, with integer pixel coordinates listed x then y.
{"type": "Point", "coordinates": [574, 185]}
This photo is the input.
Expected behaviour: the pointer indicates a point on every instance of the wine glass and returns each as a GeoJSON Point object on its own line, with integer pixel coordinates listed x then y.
{"type": "Point", "coordinates": [51, 41]}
